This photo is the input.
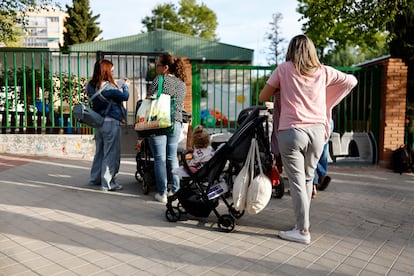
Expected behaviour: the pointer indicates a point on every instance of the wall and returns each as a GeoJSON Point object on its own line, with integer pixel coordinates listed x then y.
{"type": "Point", "coordinates": [393, 106]}
{"type": "Point", "coordinates": [51, 145]}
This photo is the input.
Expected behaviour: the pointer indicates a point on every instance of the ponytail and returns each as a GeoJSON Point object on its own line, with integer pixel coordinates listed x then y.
{"type": "Point", "coordinates": [175, 64]}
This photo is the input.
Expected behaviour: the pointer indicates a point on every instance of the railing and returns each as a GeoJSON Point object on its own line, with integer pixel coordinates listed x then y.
{"type": "Point", "coordinates": [220, 92]}
{"type": "Point", "coordinates": [39, 87]}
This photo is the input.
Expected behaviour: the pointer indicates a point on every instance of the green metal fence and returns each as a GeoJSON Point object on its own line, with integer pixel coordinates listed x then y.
{"type": "Point", "coordinates": [360, 110]}
{"type": "Point", "coordinates": [38, 89]}
{"type": "Point", "coordinates": [220, 92]}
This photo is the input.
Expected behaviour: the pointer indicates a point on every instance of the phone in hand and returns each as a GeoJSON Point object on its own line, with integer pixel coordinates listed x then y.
{"type": "Point", "coordinates": [121, 82]}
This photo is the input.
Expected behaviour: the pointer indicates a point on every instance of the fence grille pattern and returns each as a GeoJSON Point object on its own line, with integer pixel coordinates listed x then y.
{"type": "Point", "coordinates": [38, 89]}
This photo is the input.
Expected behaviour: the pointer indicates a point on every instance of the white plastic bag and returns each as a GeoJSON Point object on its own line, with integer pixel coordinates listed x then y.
{"type": "Point", "coordinates": [242, 180]}
{"type": "Point", "coordinates": [259, 191]}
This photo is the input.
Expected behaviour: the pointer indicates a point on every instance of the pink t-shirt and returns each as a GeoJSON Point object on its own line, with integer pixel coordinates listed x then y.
{"type": "Point", "coordinates": [308, 100]}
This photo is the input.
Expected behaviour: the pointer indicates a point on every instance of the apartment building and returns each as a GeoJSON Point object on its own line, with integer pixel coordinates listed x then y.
{"type": "Point", "coordinates": [44, 29]}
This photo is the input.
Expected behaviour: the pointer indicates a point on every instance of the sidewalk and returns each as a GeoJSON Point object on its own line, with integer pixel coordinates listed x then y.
{"type": "Point", "coordinates": [53, 223]}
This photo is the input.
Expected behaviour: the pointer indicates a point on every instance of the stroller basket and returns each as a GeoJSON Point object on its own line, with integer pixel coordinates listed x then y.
{"type": "Point", "coordinates": [195, 203]}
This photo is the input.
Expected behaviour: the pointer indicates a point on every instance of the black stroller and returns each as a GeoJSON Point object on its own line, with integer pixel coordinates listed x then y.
{"type": "Point", "coordinates": [144, 173]}
{"type": "Point", "coordinates": [200, 193]}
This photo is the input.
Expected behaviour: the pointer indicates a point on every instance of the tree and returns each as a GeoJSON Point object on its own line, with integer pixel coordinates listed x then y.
{"type": "Point", "coordinates": [190, 18]}
{"type": "Point", "coordinates": [347, 55]}
{"type": "Point", "coordinates": [13, 14]}
{"type": "Point", "coordinates": [402, 45]}
{"type": "Point", "coordinates": [341, 23]}
{"type": "Point", "coordinates": [275, 49]}
{"type": "Point", "coordinates": [81, 25]}
{"type": "Point", "coordinates": [402, 39]}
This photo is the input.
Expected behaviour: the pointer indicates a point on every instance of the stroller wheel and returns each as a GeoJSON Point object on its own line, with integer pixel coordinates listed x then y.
{"type": "Point", "coordinates": [138, 176]}
{"type": "Point", "coordinates": [181, 208]}
{"type": "Point", "coordinates": [226, 223]}
{"type": "Point", "coordinates": [279, 190]}
{"type": "Point", "coordinates": [172, 214]}
{"type": "Point", "coordinates": [236, 214]}
{"type": "Point", "coordinates": [146, 183]}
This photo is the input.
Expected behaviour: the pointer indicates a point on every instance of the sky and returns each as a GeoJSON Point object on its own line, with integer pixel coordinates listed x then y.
{"type": "Point", "coordinates": [242, 23]}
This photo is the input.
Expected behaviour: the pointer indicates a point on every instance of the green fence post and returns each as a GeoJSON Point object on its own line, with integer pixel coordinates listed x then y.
{"type": "Point", "coordinates": [196, 95]}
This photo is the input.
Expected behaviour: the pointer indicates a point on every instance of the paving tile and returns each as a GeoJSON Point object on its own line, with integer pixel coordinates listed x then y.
{"type": "Point", "coordinates": [376, 268]}
{"type": "Point", "coordinates": [60, 226]}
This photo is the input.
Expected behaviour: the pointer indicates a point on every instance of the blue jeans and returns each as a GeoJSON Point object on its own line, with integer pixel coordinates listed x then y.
{"type": "Point", "coordinates": [322, 167]}
{"type": "Point", "coordinates": [107, 158]}
{"type": "Point", "coordinates": [164, 150]}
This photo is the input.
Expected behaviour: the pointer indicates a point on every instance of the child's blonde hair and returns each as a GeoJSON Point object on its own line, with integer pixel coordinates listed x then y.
{"type": "Point", "coordinates": [201, 138]}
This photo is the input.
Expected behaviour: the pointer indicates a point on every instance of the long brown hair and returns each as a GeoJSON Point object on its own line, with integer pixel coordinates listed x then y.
{"type": "Point", "coordinates": [102, 72]}
{"type": "Point", "coordinates": [175, 65]}
{"type": "Point", "coordinates": [302, 53]}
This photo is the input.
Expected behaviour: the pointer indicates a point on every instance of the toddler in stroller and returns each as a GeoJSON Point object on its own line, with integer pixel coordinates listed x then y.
{"type": "Point", "coordinates": [201, 152]}
{"type": "Point", "coordinates": [200, 192]}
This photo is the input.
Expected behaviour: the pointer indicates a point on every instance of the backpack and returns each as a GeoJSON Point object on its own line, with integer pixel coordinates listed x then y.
{"type": "Point", "coordinates": [402, 159]}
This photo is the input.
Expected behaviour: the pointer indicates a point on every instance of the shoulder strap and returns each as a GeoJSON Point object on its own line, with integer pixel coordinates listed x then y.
{"type": "Point", "coordinates": [97, 93]}
{"type": "Point", "coordinates": [160, 85]}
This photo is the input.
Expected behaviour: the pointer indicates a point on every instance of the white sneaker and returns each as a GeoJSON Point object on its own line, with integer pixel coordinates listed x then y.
{"type": "Point", "coordinates": [296, 236]}
{"type": "Point", "coordinates": [161, 198]}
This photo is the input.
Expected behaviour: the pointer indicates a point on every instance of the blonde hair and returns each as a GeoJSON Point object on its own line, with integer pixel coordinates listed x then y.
{"type": "Point", "coordinates": [201, 138]}
{"type": "Point", "coordinates": [302, 53]}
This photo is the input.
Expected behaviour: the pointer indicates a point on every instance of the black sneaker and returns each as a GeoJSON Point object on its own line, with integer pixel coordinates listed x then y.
{"type": "Point", "coordinates": [324, 182]}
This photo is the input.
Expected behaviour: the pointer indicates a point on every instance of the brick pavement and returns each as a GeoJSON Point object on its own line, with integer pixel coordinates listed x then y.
{"type": "Point", "coordinates": [52, 223]}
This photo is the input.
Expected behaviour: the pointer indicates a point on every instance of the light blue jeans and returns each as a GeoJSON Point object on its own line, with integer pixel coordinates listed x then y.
{"type": "Point", "coordinates": [164, 150]}
{"type": "Point", "coordinates": [107, 158]}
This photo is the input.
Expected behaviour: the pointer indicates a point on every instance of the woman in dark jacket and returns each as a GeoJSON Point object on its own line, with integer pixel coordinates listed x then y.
{"type": "Point", "coordinates": [107, 158]}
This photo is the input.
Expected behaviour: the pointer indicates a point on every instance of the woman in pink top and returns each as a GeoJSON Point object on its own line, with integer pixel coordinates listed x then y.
{"type": "Point", "coordinates": [308, 92]}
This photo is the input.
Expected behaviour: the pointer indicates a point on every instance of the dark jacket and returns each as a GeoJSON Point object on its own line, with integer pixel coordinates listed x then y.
{"type": "Point", "coordinates": [113, 93]}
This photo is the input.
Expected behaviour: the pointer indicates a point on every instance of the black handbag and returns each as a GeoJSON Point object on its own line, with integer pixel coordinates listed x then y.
{"type": "Point", "coordinates": [86, 115]}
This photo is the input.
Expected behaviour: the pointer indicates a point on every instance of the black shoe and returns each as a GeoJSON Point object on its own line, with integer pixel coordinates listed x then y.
{"type": "Point", "coordinates": [324, 182]}
{"type": "Point", "coordinates": [94, 184]}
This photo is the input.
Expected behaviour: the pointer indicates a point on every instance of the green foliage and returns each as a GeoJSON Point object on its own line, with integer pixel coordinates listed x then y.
{"type": "Point", "coordinates": [81, 26]}
{"type": "Point", "coordinates": [14, 13]}
{"type": "Point", "coordinates": [341, 23]}
{"type": "Point", "coordinates": [28, 80]}
{"type": "Point", "coordinates": [351, 55]}
{"type": "Point", "coordinates": [70, 88]}
{"type": "Point", "coordinates": [189, 18]}
{"type": "Point", "coordinates": [402, 39]}
{"type": "Point", "coordinates": [27, 77]}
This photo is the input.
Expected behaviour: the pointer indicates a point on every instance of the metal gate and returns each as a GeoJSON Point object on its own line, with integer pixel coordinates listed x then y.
{"type": "Point", "coordinates": [220, 92]}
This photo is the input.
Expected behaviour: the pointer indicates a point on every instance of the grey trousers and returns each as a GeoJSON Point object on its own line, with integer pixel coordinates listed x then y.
{"type": "Point", "coordinates": [300, 149]}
